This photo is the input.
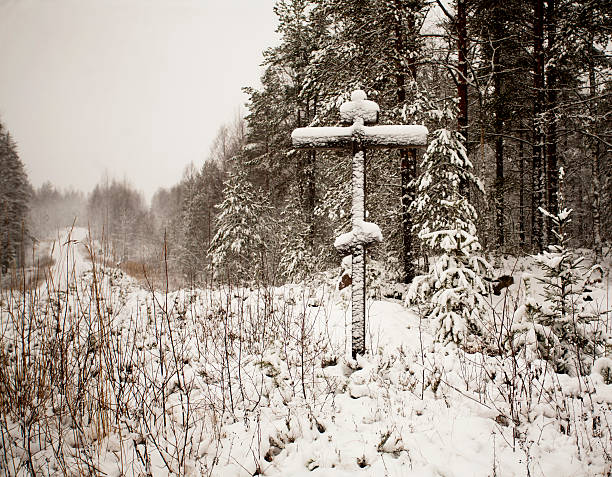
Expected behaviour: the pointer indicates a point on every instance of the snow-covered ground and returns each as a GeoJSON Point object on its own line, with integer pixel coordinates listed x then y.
{"type": "Point", "coordinates": [69, 254]}
{"type": "Point", "coordinates": [241, 382]}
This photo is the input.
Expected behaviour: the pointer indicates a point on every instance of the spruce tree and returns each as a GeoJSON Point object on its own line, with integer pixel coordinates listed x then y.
{"type": "Point", "coordinates": [559, 327]}
{"type": "Point", "coordinates": [452, 291]}
{"type": "Point", "coordinates": [15, 193]}
{"type": "Point", "coordinates": [119, 210]}
{"type": "Point", "coordinates": [238, 249]}
{"type": "Point", "coordinates": [202, 192]}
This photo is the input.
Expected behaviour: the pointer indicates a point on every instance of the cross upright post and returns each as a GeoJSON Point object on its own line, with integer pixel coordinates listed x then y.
{"type": "Point", "coordinates": [361, 135]}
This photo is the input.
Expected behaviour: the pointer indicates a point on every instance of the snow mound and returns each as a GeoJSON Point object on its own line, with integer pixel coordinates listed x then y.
{"type": "Point", "coordinates": [363, 233]}
{"type": "Point", "coordinates": [391, 136]}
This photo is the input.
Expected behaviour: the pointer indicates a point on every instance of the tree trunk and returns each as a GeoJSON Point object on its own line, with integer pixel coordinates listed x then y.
{"type": "Point", "coordinates": [498, 125]}
{"type": "Point", "coordinates": [521, 193]}
{"type": "Point", "coordinates": [499, 182]}
{"type": "Point", "coordinates": [552, 169]}
{"type": "Point", "coordinates": [310, 171]}
{"type": "Point", "coordinates": [408, 173]}
{"type": "Point", "coordinates": [462, 67]}
{"type": "Point", "coordinates": [595, 165]}
{"type": "Point", "coordinates": [407, 156]}
{"type": "Point", "coordinates": [462, 82]}
{"type": "Point", "coordinates": [538, 136]}
{"type": "Point", "coordinates": [311, 190]}
{"type": "Point", "coordinates": [307, 177]}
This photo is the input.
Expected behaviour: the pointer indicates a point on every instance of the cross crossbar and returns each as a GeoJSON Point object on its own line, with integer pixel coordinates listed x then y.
{"type": "Point", "coordinates": [390, 137]}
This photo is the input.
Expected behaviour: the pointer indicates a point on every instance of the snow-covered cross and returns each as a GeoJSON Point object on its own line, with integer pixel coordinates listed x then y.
{"type": "Point", "coordinates": [361, 113]}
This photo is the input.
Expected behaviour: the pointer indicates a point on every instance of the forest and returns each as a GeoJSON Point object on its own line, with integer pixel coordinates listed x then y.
{"type": "Point", "coordinates": [527, 87]}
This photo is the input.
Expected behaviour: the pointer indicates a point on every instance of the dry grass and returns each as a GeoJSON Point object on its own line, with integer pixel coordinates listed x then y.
{"type": "Point", "coordinates": [30, 276]}
{"type": "Point", "coordinates": [76, 371]}
{"type": "Point", "coordinates": [97, 358]}
{"type": "Point", "coordinates": [153, 274]}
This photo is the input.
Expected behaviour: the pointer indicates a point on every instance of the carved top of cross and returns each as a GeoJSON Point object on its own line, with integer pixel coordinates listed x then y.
{"type": "Point", "coordinates": [359, 107]}
{"type": "Point", "coordinates": [361, 112]}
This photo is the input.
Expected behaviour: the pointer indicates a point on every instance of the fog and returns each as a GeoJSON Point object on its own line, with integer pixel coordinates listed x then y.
{"type": "Point", "coordinates": [132, 89]}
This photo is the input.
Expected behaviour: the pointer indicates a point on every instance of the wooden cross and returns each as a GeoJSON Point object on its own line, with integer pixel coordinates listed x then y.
{"type": "Point", "coordinates": [360, 113]}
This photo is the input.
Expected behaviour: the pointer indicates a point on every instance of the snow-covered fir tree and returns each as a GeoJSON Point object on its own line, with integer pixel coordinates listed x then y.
{"type": "Point", "coordinates": [452, 291]}
{"type": "Point", "coordinates": [238, 247]}
{"type": "Point", "coordinates": [558, 328]}
{"type": "Point", "coordinates": [296, 260]}
{"type": "Point", "coordinates": [202, 190]}
{"type": "Point", "coordinates": [15, 192]}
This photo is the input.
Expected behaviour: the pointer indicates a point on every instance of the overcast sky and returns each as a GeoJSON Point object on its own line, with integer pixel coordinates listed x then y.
{"type": "Point", "coordinates": [133, 88]}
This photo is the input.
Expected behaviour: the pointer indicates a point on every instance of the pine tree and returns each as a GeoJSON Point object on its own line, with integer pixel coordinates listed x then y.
{"type": "Point", "coordinates": [380, 46]}
{"type": "Point", "coordinates": [585, 44]}
{"type": "Point", "coordinates": [296, 261]}
{"type": "Point", "coordinates": [238, 249]}
{"type": "Point", "coordinates": [119, 210]}
{"type": "Point", "coordinates": [452, 291]}
{"type": "Point", "coordinates": [287, 101]}
{"type": "Point", "coordinates": [15, 193]}
{"type": "Point", "coordinates": [202, 192]}
{"type": "Point", "coordinates": [51, 209]}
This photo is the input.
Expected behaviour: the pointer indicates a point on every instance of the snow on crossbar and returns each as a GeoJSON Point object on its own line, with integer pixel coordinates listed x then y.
{"type": "Point", "coordinates": [392, 137]}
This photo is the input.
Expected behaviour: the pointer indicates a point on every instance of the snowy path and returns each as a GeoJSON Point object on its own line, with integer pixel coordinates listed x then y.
{"type": "Point", "coordinates": [391, 325]}
{"type": "Point", "coordinates": [69, 256]}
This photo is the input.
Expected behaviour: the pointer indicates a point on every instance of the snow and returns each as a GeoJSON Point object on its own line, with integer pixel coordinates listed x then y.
{"type": "Point", "coordinates": [400, 135]}
{"type": "Point", "coordinates": [363, 233]}
{"type": "Point", "coordinates": [358, 271]}
{"type": "Point", "coordinates": [270, 387]}
{"type": "Point", "coordinates": [603, 367]}
{"type": "Point", "coordinates": [359, 107]}
{"type": "Point", "coordinates": [70, 256]}
{"type": "Point", "coordinates": [391, 136]}
{"type": "Point", "coordinates": [358, 188]}
{"type": "Point", "coordinates": [322, 137]}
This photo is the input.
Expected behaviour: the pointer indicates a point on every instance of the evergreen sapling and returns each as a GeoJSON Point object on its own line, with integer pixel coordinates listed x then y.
{"type": "Point", "coordinates": [452, 292]}
{"type": "Point", "coordinates": [559, 327]}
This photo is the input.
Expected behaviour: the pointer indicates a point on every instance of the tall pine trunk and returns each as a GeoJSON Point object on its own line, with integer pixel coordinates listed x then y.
{"type": "Point", "coordinates": [595, 163]}
{"type": "Point", "coordinates": [521, 193]}
{"type": "Point", "coordinates": [408, 174]}
{"type": "Point", "coordinates": [407, 156]}
{"type": "Point", "coordinates": [552, 168]}
{"type": "Point", "coordinates": [311, 190]}
{"type": "Point", "coordinates": [498, 125]}
{"type": "Point", "coordinates": [462, 66]}
{"type": "Point", "coordinates": [538, 136]}
{"type": "Point", "coordinates": [306, 173]}
{"type": "Point", "coordinates": [310, 170]}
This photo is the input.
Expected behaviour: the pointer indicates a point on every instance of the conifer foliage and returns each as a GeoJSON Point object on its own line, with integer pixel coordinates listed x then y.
{"type": "Point", "coordinates": [117, 211]}
{"type": "Point", "coordinates": [15, 192]}
{"type": "Point", "coordinates": [507, 64]}
{"type": "Point", "coordinates": [452, 291]}
{"type": "Point", "coordinates": [238, 246]}
{"type": "Point", "coordinates": [558, 325]}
